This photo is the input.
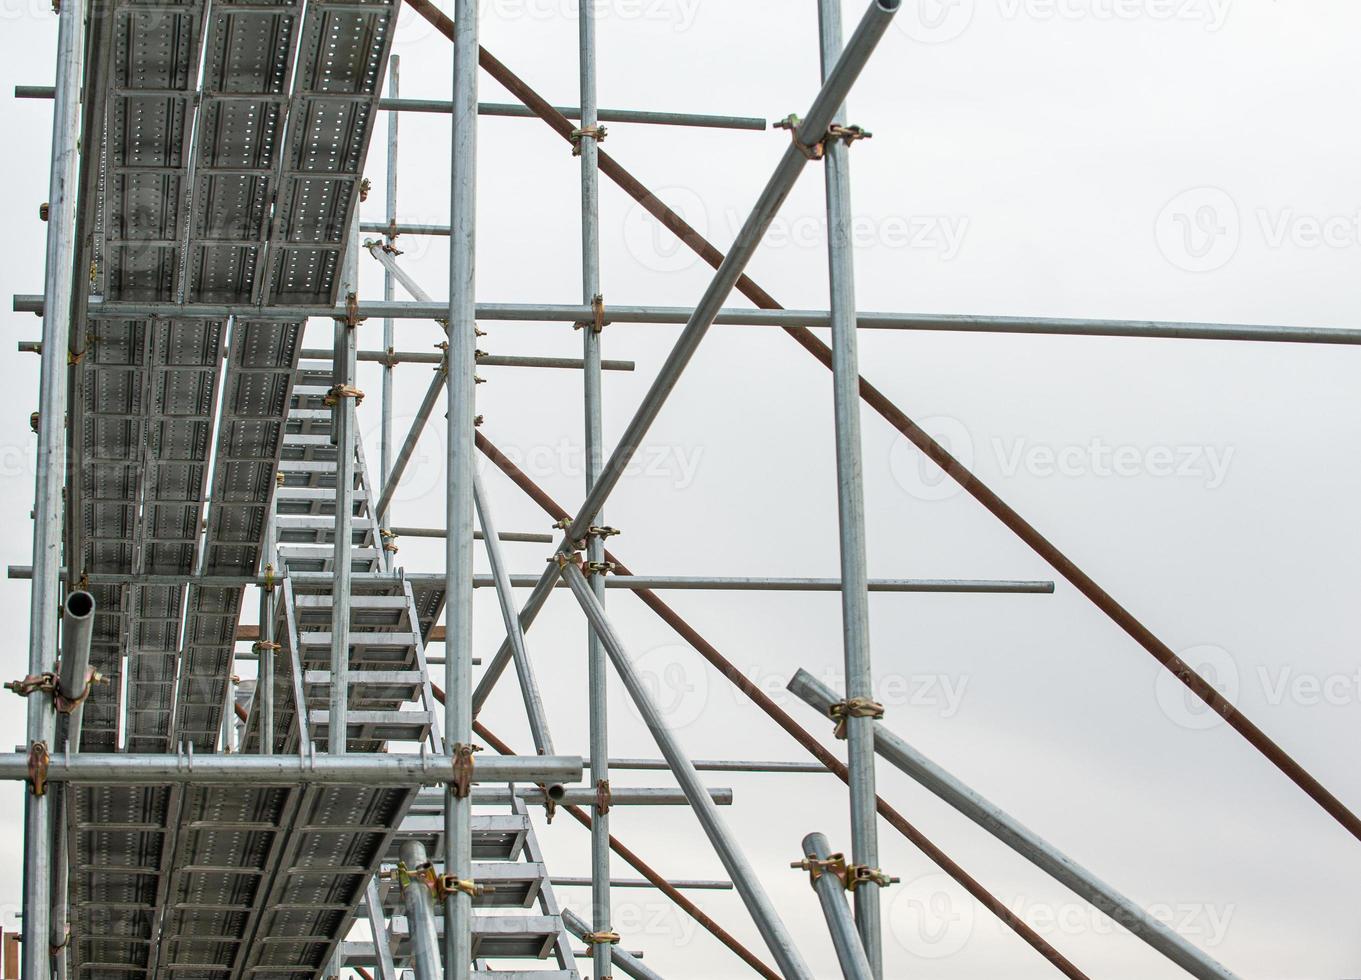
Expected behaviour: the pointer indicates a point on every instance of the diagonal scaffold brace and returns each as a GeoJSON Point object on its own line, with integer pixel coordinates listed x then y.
{"type": "Point", "coordinates": [937, 453]}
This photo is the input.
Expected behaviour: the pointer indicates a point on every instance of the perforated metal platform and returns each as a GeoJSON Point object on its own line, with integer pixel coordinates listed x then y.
{"type": "Point", "coordinates": [234, 137]}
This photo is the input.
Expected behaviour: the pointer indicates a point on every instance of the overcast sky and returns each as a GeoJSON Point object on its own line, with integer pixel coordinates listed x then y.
{"type": "Point", "coordinates": [1175, 159]}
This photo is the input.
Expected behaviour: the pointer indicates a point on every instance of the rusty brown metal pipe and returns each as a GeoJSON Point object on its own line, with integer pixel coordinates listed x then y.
{"type": "Point", "coordinates": [792, 727]}
{"type": "Point", "coordinates": [937, 453]}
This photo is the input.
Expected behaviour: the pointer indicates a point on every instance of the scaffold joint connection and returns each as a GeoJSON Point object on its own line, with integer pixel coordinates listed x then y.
{"type": "Point", "coordinates": [842, 711]}
{"type": "Point", "coordinates": [462, 777]}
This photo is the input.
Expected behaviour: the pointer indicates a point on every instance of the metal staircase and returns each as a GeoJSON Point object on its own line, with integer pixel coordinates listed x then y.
{"type": "Point", "coordinates": [390, 701]}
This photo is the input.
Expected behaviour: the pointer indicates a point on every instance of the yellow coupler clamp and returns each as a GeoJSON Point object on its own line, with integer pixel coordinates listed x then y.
{"type": "Point", "coordinates": [840, 711]}
{"type": "Point", "coordinates": [447, 885]}
{"type": "Point", "coordinates": [38, 758]}
{"type": "Point", "coordinates": [851, 876]}
{"type": "Point", "coordinates": [591, 938]}
{"type": "Point", "coordinates": [461, 782]}
{"type": "Point", "coordinates": [49, 684]}
{"type": "Point", "coordinates": [338, 392]}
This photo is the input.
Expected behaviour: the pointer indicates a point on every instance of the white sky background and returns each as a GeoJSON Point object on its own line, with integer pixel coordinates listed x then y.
{"type": "Point", "coordinates": [1028, 158]}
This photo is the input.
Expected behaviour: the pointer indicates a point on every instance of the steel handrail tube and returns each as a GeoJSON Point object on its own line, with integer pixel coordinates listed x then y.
{"type": "Point", "coordinates": [371, 769]}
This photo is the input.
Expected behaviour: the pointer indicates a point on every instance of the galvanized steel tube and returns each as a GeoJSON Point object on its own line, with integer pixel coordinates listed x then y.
{"type": "Point", "coordinates": [754, 896]}
{"type": "Point", "coordinates": [850, 495]}
{"type": "Point", "coordinates": [419, 900]}
{"type": "Point", "coordinates": [58, 283]}
{"type": "Point", "coordinates": [322, 769]}
{"type": "Point", "coordinates": [850, 952]}
{"type": "Point", "coordinates": [461, 315]}
{"type": "Point", "coordinates": [1022, 840]}
{"type": "Point", "coordinates": [529, 685]}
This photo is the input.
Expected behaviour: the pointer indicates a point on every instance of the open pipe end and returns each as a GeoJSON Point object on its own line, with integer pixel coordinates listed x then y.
{"type": "Point", "coordinates": [80, 605]}
{"type": "Point", "coordinates": [556, 791]}
{"type": "Point", "coordinates": [890, 5]}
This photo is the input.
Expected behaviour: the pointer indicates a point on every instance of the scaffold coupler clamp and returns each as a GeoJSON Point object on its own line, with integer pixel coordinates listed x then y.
{"type": "Point", "coordinates": [602, 531]}
{"type": "Point", "coordinates": [596, 132]}
{"type": "Point", "coordinates": [597, 322]}
{"type": "Point", "coordinates": [352, 317]}
{"type": "Point", "coordinates": [835, 132]}
{"type": "Point", "coordinates": [446, 886]}
{"type": "Point", "coordinates": [389, 539]}
{"type": "Point", "coordinates": [598, 568]}
{"type": "Point", "coordinates": [863, 874]}
{"type": "Point", "coordinates": [270, 580]}
{"type": "Point", "coordinates": [842, 711]}
{"type": "Point", "coordinates": [338, 392]}
{"type": "Point", "coordinates": [550, 805]}
{"type": "Point", "coordinates": [50, 684]}
{"type": "Point", "coordinates": [461, 782]}
{"type": "Point", "coordinates": [603, 797]}
{"type": "Point", "coordinates": [38, 759]}
{"type": "Point", "coordinates": [263, 646]}
{"type": "Point", "coordinates": [851, 876]}
{"type": "Point", "coordinates": [591, 938]}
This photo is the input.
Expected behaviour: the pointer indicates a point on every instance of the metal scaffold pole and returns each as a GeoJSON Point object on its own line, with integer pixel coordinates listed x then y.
{"type": "Point", "coordinates": [51, 469]}
{"type": "Point", "coordinates": [850, 492]}
{"type": "Point", "coordinates": [389, 286]}
{"type": "Point", "coordinates": [419, 902]}
{"type": "Point", "coordinates": [768, 922]}
{"type": "Point", "coordinates": [344, 394]}
{"type": "Point", "coordinates": [588, 140]}
{"type": "Point", "coordinates": [1022, 839]}
{"type": "Point", "coordinates": [822, 867]}
{"type": "Point", "coordinates": [459, 487]}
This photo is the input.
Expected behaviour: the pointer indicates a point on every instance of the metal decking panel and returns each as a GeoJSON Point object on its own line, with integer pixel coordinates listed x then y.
{"type": "Point", "coordinates": [342, 57]}
{"type": "Point", "coordinates": [199, 177]}
{"type": "Point", "coordinates": [260, 365]}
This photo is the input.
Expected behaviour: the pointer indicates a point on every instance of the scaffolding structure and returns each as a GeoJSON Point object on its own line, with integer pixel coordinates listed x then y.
{"type": "Point", "coordinates": [350, 810]}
